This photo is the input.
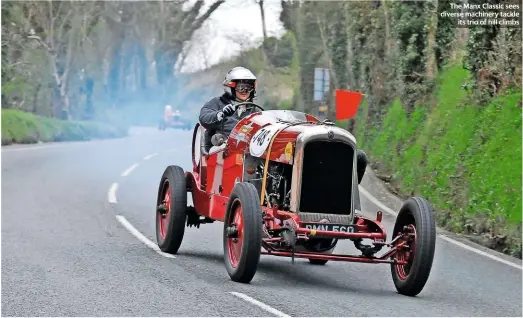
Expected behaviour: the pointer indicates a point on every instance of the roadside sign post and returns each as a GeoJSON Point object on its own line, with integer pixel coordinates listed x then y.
{"type": "Point", "coordinates": [321, 89]}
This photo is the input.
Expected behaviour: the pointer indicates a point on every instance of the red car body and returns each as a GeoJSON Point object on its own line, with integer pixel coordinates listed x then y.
{"type": "Point", "coordinates": [215, 175]}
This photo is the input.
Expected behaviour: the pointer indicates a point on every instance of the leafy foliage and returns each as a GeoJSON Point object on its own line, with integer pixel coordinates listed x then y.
{"type": "Point", "coordinates": [423, 111]}
{"type": "Point", "coordinates": [79, 60]}
{"type": "Point", "coordinates": [465, 159]}
{"type": "Point", "coordinates": [23, 127]}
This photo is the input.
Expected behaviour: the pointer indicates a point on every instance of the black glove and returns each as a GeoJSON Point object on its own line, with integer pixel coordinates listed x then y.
{"type": "Point", "coordinates": [229, 110]}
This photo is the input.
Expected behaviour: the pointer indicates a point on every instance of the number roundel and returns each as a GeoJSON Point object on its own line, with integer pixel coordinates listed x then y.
{"type": "Point", "coordinates": [261, 140]}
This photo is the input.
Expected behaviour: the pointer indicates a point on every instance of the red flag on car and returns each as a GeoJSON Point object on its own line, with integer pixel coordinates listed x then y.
{"type": "Point", "coordinates": [347, 103]}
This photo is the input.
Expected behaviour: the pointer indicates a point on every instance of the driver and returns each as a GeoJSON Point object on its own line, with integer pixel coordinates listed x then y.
{"type": "Point", "coordinates": [168, 111]}
{"type": "Point", "coordinates": [221, 112]}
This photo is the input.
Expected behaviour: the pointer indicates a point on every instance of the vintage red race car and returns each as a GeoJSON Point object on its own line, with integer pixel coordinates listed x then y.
{"type": "Point", "coordinates": [285, 183]}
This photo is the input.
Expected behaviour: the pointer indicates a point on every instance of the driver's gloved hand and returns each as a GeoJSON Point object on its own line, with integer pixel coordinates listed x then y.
{"type": "Point", "coordinates": [229, 110]}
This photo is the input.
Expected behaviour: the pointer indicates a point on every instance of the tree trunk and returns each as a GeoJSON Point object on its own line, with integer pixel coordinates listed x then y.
{"type": "Point", "coordinates": [35, 99]}
{"type": "Point", "coordinates": [264, 30]}
{"type": "Point", "coordinates": [264, 26]}
{"type": "Point", "coordinates": [431, 66]}
{"type": "Point", "coordinates": [388, 38]}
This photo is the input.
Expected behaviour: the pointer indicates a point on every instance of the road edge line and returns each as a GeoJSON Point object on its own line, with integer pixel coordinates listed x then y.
{"type": "Point", "coordinates": [377, 202]}
{"type": "Point", "coordinates": [150, 156]}
{"type": "Point", "coordinates": [111, 194]}
{"type": "Point", "coordinates": [142, 238]}
{"type": "Point", "coordinates": [130, 169]}
{"type": "Point", "coordinates": [470, 248]}
{"type": "Point", "coordinates": [259, 304]}
{"type": "Point", "coordinates": [446, 238]}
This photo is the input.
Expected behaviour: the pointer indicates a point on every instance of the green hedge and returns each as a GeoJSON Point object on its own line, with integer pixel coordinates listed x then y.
{"type": "Point", "coordinates": [22, 127]}
{"type": "Point", "coordinates": [464, 158]}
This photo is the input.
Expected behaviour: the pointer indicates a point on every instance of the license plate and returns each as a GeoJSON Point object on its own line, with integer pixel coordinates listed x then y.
{"type": "Point", "coordinates": [330, 227]}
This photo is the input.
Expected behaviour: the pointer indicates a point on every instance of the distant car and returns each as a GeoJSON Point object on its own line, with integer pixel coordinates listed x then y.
{"type": "Point", "coordinates": [173, 120]}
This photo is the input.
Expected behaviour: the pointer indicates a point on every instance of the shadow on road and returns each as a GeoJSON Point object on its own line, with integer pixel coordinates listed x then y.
{"type": "Point", "coordinates": [303, 275]}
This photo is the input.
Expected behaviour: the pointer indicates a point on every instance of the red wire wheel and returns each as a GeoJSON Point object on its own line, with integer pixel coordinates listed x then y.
{"type": "Point", "coordinates": [171, 206]}
{"type": "Point", "coordinates": [242, 233]}
{"type": "Point", "coordinates": [234, 244]}
{"type": "Point", "coordinates": [416, 225]}
{"type": "Point", "coordinates": [406, 254]}
{"type": "Point", "coordinates": [163, 218]}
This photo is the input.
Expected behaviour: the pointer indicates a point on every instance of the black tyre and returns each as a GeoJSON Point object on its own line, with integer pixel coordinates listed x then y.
{"type": "Point", "coordinates": [242, 233]}
{"type": "Point", "coordinates": [318, 261]}
{"type": "Point", "coordinates": [416, 218]}
{"type": "Point", "coordinates": [325, 246]}
{"type": "Point", "coordinates": [362, 162]}
{"type": "Point", "coordinates": [171, 209]}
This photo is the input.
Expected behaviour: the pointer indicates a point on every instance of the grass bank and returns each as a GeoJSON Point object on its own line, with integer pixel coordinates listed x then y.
{"type": "Point", "coordinates": [464, 158]}
{"type": "Point", "coordinates": [26, 128]}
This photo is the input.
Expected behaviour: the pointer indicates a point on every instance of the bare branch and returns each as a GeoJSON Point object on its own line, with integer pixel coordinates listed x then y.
{"type": "Point", "coordinates": [198, 23]}
{"type": "Point", "coordinates": [36, 37]}
{"type": "Point", "coordinates": [61, 28]}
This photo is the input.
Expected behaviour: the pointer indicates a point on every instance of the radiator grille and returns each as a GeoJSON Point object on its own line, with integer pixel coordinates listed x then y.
{"type": "Point", "coordinates": [317, 217]}
{"type": "Point", "coordinates": [326, 185]}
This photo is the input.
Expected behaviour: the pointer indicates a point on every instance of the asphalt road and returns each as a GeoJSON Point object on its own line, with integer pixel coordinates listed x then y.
{"type": "Point", "coordinates": [64, 252]}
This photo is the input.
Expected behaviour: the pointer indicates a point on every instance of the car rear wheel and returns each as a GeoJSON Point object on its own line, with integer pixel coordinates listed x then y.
{"type": "Point", "coordinates": [171, 206]}
{"type": "Point", "coordinates": [416, 221]}
{"type": "Point", "coordinates": [242, 233]}
{"type": "Point", "coordinates": [318, 261]}
{"type": "Point", "coordinates": [324, 246]}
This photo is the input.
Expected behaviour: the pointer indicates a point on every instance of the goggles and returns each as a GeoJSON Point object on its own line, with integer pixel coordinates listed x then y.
{"type": "Point", "coordinates": [244, 88]}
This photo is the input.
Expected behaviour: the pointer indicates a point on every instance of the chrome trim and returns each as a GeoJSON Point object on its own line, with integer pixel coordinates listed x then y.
{"type": "Point", "coordinates": [314, 133]}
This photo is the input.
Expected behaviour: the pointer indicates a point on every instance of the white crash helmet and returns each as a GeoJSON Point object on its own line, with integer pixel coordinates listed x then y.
{"type": "Point", "coordinates": [240, 76]}
{"type": "Point", "coordinates": [168, 108]}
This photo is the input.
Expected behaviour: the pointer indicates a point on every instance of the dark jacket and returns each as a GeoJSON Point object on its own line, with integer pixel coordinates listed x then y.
{"type": "Point", "coordinates": [209, 119]}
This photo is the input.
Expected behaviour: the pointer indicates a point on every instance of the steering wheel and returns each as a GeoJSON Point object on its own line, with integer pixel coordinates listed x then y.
{"type": "Point", "coordinates": [251, 108]}
{"type": "Point", "coordinates": [250, 103]}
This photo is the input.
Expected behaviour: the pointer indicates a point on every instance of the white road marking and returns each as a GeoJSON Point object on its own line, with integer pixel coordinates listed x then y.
{"type": "Point", "coordinates": [260, 304]}
{"type": "Point", "coordinates": [150, 156]}
{"type": "Point", "coordinates": [470, 248]}
{"type": "Point", "coordinates": [462, 245]}
{"type": "Point", "coordinates": [9, 149]}
{"type": "Point", "coordinates": [129, 170]}
{"type": "Point", "coordinates": [377, 202]}
{"type": "Point", "coordinates": [111, 194]}
{"type": "Point", "coordinates": [141, 237]}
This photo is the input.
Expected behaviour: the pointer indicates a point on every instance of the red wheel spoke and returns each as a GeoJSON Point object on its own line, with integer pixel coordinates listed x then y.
{"type": "Point", "coordinates": [164, 219]}
{"type": "Point", "coordinates": [407, 254]}
{"type": "Point", "coordinates": [234, 245]}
